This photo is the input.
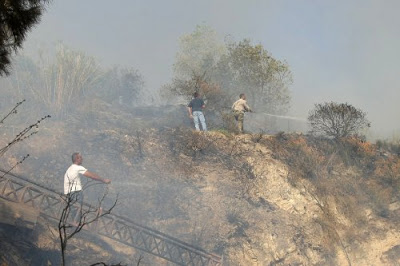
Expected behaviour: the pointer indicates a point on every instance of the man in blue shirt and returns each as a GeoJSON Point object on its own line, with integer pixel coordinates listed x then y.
{"type": "Point", "coordinates": [195, 109]}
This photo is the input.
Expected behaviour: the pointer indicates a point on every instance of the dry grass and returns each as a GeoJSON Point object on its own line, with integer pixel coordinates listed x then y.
{"type": "Point", "coordinates": [188, 182]}
{"type": "Point", "coordinates": [350, 180]}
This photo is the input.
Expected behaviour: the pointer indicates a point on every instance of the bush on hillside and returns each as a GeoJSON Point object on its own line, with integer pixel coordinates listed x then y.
{"type": "Point", "coordinates": [337, 120]}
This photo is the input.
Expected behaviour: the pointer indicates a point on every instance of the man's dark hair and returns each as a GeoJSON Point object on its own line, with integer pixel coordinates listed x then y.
{"type": "Point", "coordinates": [241, 95]}
{"type": "Point", "coordinates": [74, 155]}
{"type": "Point", "coordinates": [196, 94]}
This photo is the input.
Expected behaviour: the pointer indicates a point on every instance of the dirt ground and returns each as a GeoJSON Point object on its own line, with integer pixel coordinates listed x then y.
{"type": "Point", "coordinates": [228, 194]}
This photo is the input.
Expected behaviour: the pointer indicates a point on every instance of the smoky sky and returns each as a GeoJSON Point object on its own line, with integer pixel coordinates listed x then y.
{"type": "Point", "coordinates": [343, 51]}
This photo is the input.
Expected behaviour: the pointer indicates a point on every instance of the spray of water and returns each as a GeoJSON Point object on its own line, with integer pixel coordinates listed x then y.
{"type": "Point", "coordinates": [286, 117]}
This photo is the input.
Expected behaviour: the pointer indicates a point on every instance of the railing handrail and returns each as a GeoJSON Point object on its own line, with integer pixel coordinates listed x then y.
{"type": "Point", "coordinates": [24, 182]}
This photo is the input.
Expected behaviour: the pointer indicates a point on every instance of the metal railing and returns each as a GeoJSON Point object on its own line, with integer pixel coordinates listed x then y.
{"type": "Point", "coordinates": [123, 230]}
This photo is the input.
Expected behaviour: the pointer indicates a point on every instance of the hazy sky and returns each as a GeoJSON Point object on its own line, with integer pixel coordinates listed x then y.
{"type": "Point", "coordinates": [345, 51]}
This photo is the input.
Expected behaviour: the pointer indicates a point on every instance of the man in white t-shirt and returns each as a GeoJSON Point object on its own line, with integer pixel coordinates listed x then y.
{"type": "Point", "coordinates": [72, 180]}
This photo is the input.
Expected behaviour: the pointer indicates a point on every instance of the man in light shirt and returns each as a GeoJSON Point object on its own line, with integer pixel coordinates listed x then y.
{"type": "Point", "coordinates": [239, 108]}
{"type": "Point", "coordinates": [72, 180]}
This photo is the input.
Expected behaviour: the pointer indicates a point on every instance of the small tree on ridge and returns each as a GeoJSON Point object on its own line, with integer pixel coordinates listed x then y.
{"type": "Point", "coordinates": [337, 120]}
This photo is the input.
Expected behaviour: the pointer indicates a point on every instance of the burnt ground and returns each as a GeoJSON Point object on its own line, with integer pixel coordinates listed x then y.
{"type": "Point", "coordinates": [229, 194]}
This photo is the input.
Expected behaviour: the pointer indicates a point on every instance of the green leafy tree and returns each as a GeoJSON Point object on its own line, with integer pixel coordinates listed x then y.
{"type": "Point", "coordinates": [252, 70]}
{"type": "Point", "coordinates": [337, 120]}
{"type": "Point", "coordinates": [220, 71]}
{"type": "Point", "coordinates": [17, 17]}
{"type": "Point", "coordinates": [199, 53]}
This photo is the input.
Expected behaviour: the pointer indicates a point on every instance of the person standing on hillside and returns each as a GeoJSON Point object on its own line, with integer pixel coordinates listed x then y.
{"type": "Point", "coordinates": [72, 180]}
{"type": "Point", "coordinates": [239, 108]}
{"type": "Point", "coordinates": [195, 109]}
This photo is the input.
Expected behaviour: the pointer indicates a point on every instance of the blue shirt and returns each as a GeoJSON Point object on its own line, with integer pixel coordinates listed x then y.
{"type": "Point", "coordinates": [196, 104]}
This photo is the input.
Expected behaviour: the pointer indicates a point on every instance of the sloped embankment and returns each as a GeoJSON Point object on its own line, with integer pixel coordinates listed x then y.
{"type": "Point", "coordinates": [256, 199]}
{"type": "Point", "coordinates": [263, 200]}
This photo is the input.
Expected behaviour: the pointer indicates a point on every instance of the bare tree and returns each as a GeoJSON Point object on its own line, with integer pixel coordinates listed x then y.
{"type": "Point", "coordinates": [24, 134]}
{"type": "Point", "coordinates": [76, 215]}
{"type": "Point", "coordinates": [337, 120]}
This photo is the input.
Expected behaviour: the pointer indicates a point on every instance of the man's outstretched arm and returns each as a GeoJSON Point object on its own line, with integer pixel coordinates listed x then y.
{"type": "Point", "coordinates": [247, 107]}
{"type": "Point", "coordinates": [95, 176]}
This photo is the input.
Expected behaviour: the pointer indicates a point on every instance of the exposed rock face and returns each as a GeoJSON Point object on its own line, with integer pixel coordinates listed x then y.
{"type": "Point", "coordinates": [230, 194]}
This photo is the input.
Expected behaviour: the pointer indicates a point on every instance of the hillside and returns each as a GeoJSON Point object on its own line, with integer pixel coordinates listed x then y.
{"type": "Point", "coordinates": [256, 199]}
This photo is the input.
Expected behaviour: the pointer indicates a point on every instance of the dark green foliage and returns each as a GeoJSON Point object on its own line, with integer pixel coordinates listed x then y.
{"type": "Point", "coordinates": [17, 17]}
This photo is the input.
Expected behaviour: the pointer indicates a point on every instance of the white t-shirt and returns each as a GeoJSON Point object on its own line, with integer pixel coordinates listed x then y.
{"type": "Point", "coordinates": [72, 180]}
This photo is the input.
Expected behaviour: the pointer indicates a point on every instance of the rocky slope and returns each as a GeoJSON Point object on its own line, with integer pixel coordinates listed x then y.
{"type": "Point", "coordinates": [255, 199]}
